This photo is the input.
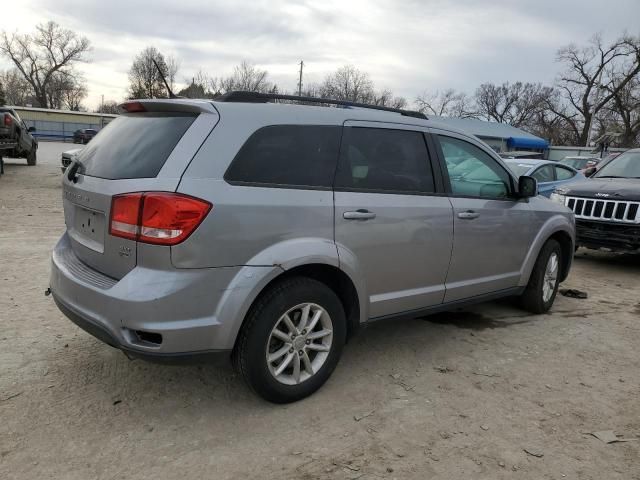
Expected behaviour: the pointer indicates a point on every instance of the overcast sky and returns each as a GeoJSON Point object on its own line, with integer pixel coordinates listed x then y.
{"type": "Point", "coordinates": [405, 45]}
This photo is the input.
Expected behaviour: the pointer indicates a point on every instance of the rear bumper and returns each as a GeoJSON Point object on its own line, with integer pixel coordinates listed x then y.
{"type": "Point", "coordinates": [105, 336]}
{"type": "Point", "coordinates": [181, 307]}
{"type": "Point", "coordinates": [620, 237]}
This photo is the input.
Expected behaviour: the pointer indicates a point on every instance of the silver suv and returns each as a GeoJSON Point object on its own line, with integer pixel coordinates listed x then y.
{"type": "Point", "coordinates": [272, 231]}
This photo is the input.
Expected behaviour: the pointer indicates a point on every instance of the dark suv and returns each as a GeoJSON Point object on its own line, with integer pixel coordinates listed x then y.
{"type": "Point", "coordinates": [84, 135]}
{"type": "Point", "coordinates": [607, 207]}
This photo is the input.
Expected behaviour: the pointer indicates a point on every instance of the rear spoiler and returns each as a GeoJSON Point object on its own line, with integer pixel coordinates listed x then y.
{"type": "Point", "coordinates": [167, 105]}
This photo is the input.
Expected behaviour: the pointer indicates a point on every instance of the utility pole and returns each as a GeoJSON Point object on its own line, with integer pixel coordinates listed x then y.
{"type": "Point", "coordinates": [300, 82]}
{"type": "Point", "coordinates": [102, 112]}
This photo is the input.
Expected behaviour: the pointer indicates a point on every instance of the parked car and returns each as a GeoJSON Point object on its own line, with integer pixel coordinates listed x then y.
{"type": "Point", "coordinates": [586, 165]}
{"type": "Point", "coordinates": [271, 232]}
{"type": "Point", "coordinates": [68, 157]}
{"type": "Point", "coordinates": [84, 135]}
{"type": "Point", "coordinates": [549, 174]}
{"type": "Point", "coordinates": [603, 161]}
{"type": "Point", "coordinates": [607, 206]}
{"type": "Point", "coordinates": [16, 140]}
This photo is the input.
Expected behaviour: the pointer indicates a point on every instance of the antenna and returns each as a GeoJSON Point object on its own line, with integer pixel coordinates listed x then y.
{"type": "Point", "coordinates": [171, 94]}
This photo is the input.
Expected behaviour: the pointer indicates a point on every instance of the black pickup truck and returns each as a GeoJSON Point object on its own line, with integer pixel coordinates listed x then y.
{"type": "Point", "coordinates": [16, 140]}
{"type": "Point", "coordinates": [607, 206]}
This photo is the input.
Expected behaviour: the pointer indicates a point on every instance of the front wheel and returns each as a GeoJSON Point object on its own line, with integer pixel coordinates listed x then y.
{"type": "Point", "coordinates": [292, 340]}
{"type": "Point", "coordinates": [542, 288]}
{"type": "Point", "coordinates": [31, 157]}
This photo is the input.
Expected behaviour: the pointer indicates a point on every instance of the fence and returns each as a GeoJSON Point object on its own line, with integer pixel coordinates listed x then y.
{"type": "Point", "coordinates": [61, 131]}
{"type": "Point", "coordinates": [558, 153]}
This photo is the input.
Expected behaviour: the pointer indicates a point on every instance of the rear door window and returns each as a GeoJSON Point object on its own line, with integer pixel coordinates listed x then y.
{"type": "Point", "coordinates": [376, 159]}
{"type": "Point", "coordinates": [288, 155]}
{"type": "Point", "coordinates": [564, 173]}
{"type": "Point", "coordinates": [544, 174]}
{"type": "Point", "coordinates": [134, 145]}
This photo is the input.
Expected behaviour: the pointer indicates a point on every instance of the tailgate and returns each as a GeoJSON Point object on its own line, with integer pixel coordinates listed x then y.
{"type": "Point", "coordinates": [135, 153]}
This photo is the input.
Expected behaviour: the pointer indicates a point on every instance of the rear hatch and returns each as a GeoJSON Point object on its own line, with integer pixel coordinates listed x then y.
{"type": "Point", "coordinates": [144, 150]}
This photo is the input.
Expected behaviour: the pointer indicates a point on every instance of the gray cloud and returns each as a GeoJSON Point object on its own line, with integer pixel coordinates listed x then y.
{"type": "Point", "coordinates": [407, 45]}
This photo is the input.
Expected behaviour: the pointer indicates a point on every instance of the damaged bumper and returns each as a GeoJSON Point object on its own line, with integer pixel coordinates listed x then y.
{"type": "Point", "coordinates": [614, 236]}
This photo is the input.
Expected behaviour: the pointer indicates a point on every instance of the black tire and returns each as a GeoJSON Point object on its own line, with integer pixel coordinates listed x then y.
{"type": "Point", "coordinates": [533, 299]}
{"type": "Point", "coordinates": [250, 352]}
{"type": "Point", "coordinates": [31, 157]}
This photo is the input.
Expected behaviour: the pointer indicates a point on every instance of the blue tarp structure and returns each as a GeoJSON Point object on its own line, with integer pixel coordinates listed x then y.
{"type": "Point", "coordinates": [528, 143]}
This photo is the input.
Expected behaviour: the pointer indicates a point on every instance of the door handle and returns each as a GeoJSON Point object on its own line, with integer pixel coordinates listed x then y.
{"type": "Point", "coordinates": [359, 215]}
{"type": "Point", "coordinates": [468, 215]}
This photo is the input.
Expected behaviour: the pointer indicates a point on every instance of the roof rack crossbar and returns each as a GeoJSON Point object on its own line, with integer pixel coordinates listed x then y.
{"type": "Point", "coordinates": [257, 97]}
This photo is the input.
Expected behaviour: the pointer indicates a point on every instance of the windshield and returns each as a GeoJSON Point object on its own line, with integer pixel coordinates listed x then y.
{"type": "Point", "coordinates": [519, 168]}
{"type": "Point", "coordinates": [626, 165]}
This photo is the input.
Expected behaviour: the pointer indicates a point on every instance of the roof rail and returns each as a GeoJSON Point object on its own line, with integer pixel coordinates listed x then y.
{"type": "Point", "coordinates": [257, 97]}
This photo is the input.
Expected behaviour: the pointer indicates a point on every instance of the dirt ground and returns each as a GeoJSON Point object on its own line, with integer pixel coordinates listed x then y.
{"type": "Point", "coordinates": [487, 393]}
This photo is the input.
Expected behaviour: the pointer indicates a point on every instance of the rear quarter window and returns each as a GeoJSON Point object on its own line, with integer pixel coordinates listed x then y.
{"type": "Point", "coordinates": [134, 145]}
{"type": "Point", "coordinates": [288, 155]}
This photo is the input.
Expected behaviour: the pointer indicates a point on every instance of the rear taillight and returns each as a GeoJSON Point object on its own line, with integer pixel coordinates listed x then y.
{"type": "Point", "coordinates": [156, 217]}
{"type": "Point", "coordinates": [7, 120]}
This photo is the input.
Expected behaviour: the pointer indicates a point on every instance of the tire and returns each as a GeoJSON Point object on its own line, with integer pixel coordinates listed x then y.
{"type": "Point", "coordinates": [256, 340]}
{"type": "Point", "coordinates": [538, 296]}
{"type": "Point", "coordinates": [31, 157]}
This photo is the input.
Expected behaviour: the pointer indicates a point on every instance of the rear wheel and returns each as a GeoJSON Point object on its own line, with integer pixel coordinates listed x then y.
{"type": "Point", "coordinates": [542, 288]}
{"type": "Point", "coordinates": [292, 340]}
{"type": "Point", "coordinates": [31, 157]}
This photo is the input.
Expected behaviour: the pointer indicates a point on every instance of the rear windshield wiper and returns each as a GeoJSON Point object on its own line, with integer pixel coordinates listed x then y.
{"type": "Point", "coordinates": [72, 173]}
{"type": "Point", "coordinates": [609, 176]}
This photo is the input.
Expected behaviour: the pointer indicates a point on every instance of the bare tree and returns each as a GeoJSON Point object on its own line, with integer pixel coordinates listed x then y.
{"type": "Point", "coordinates": [201, 85]}
{"type": "Point", "coordinates": [3, 100]}
{"type": "Point", "coordinates": [592, 77]}
{"type": "Point", "coordinates": [516, 104]}
{"type": "Point", "coordinates": [40, 57]}
{"type": "Point", "coordinates": [145, 81]}
{"type": "Point", "coordinates": [16, 89]}
{"type": "Point", "coordinates": [245, 77]}
{"type": "Point", "coordinates": [173, 65]}
{"type": "Point", "coordinates": [109, 106]}
{"type": "Point", "coordinates": [386, 98]}
{"type": "Point", "coordinates": [446, 103]}
{"type": "Point", "coordinates": [622, 114]}
{"type": "Point", "coordinates": [348, 83]}
{"type": "Point", "coordinates": [73, 96]}
{"type": "Point", "coordinates": [66, 91]}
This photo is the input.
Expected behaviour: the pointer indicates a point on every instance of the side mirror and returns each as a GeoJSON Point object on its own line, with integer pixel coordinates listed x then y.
{"type": "Point", "coordinates": [589, 171]}
{"type": "Point", "coordinates": [527, 187]}
{"type": "Point", "coordinates": [31, 129]}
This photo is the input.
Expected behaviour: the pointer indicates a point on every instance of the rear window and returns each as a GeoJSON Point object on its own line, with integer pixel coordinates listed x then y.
{"type": "Point", "coordinates": [134, 146]}
{"type": "Point", "coordinates": [577, 163]}
{"type": "Point", "coordinates": [291, 155]}
{"type": "Point", "coordinates": [519, 168]}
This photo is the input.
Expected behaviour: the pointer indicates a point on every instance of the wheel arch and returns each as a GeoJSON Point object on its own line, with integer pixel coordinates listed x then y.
{"type": "Point", "coordinates": [557, 228]}
{"type": "Point", "coordinates": [331, 276]}
{"type": "Point", "coordinates": [566, 245]}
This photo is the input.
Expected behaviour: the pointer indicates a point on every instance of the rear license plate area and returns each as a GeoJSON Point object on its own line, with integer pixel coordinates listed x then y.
{"type": "Point", "coordinates": [89, 228]}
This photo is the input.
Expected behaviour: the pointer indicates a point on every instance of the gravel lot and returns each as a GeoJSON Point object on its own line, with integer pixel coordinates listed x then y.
{"type": "Point", "coordinates": [488, 392]}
